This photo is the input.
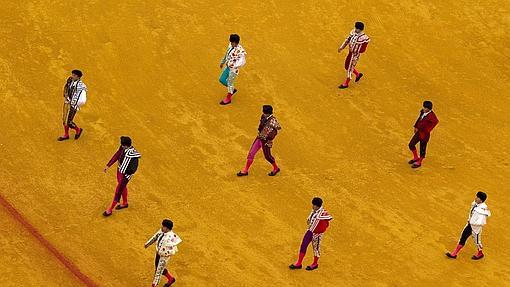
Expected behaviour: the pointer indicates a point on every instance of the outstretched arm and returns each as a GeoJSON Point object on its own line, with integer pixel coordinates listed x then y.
{"type": "Point", "coordinates": [66, 89]}
{"type": "Point", "coordinates": [152, 239]}
{"type": "Point", "coordinates": [114, 158]}
{"type": "Point", "coordinates": [344, 44]}
{"type": "Point", "coordinates": [224, 59]}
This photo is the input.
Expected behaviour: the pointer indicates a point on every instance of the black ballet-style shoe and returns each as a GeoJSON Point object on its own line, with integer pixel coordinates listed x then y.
{"type": "Point", "coordinates": [412, 161]}
{"type": "Point", "coordinates": [106, 214]}
{"type": "Point", "coordinates": [242, 173]}
{"type": "Point", "coordinates": [343, 87]}
{"type": "Point", "coordinates": [449, 255]}
{"type": "Point", "coordinates": [474, 257]}
{"type": "Point", "coordinates": [359, 77]}
{"type": "Point", "coordinates": [312, 267]}
{"type": "Point", "coordinates": [120, 206]}
{"type": "Point", "coordinates": [274, 172]}
{"type": "Point", "coordinates": [169, 283]}
{"type": "Point", "coordinates": [77, 136]}
{"type": "Point", "coordinates": [224, 104]}
{"type": "Point", "coordinates": [293, 267]}
{"type": "Point", "coordinates": [63, 138]}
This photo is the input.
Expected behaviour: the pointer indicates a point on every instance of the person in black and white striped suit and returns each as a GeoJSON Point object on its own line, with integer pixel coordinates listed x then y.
{"type": "Point", "coordinates": [128, 157]}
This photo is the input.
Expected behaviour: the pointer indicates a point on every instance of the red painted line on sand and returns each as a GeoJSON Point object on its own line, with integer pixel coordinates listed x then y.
{"type": "Point", "coordinates": [51, 248]}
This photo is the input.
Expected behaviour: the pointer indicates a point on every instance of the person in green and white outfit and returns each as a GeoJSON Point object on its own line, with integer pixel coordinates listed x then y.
{"type": "Point", "coordinates": [234, 58]}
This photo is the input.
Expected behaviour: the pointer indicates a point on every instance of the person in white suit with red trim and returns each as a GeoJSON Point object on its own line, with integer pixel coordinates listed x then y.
{"type": "Point", "coordinates": [166, 246]}
{"type": "Point", "coordinates": [476, 220]}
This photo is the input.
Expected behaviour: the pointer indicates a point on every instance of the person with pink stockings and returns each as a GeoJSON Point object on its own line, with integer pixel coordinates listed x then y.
{"type": "Point", "coordinates": [477, 218]}
{"type": "Point", "coordinates": [127, 156]}
{"type": "Point", "coordinates": [318, 222]}
{"type": "Point", "coordinates": [166, 242]}
{"type": "Point", "coordinates": [267, 131]}
{"type": "Point", "coordinates": [357, 42]}
{"type": "Point", "coordinates": [426, 122]}
{"type": "Point", "coordinates": [231, 63]}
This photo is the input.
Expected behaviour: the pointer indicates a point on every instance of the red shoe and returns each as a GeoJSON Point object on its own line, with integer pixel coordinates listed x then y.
{"type": "Point", "coordinates": [228, 99]}
{"type": "Point", "coordinates": [477, 257]}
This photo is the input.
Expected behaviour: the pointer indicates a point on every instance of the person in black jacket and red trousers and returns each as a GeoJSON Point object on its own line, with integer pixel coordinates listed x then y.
{"type": "Point", "coordinates": [127, 156]}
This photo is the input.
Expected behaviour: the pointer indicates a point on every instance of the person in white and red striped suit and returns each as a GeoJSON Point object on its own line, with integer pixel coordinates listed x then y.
{"type": "Point", "coordinates": [357, 42]}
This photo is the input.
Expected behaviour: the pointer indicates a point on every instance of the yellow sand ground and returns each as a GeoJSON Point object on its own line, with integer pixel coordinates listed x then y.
{"type": "Point", "coordinates": [22, 258]}
{"type": "Point", "coordinates": [152, 70]}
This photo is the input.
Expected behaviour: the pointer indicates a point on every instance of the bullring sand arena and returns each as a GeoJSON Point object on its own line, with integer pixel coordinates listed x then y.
{"type": "Point", "coordinates": [152, 71]}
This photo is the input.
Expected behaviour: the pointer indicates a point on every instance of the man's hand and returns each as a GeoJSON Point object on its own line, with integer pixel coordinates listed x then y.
{"type": "Point", "coordinates": [145, 245]}
{"type": "Point", "coordinates": [105, 169]}
{"type": "Point", "coordinates": [340, 49]}
{"type": "Point", "coordinates": [221, 66]}
{"type": "Point", "coordinates": [415, 130]}
{"type": "Point", "coordinates": [269, 143]}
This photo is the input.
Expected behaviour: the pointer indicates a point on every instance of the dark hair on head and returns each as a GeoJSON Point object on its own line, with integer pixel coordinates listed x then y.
{"type": "Point", "coordinates": [482, 195]}
{"type": "Point", "coordinates": [317, 201]}
{"type": "Point", "coordinates": [359, 25]}
{"type": "Point", "coordinates": [125, 141]}
{"type": "Point", "coordinates": [427, 104]}
{"type": "Point", "coordinates": [77, 73]}
{"type": "Point", "coordinates": [168, 224]}
{"type": "Point", "coordinates": [267, 109]}
{"type": "Point", "coordinates": [235, 38]}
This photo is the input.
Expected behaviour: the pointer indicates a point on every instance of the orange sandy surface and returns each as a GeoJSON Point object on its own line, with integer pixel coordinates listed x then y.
{"type": "Point", "coordinates": [152, 71]}
{"type": "Point", "coordinates": [23, 258]}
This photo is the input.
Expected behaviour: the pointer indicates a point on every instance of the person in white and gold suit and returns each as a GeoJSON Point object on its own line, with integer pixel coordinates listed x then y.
{"type": "Point", "coordinates": [166, 246]}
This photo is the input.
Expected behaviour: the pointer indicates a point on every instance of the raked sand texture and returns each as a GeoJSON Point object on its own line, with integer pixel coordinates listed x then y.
{"type": "Point", "coordinates": [152, 70]}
